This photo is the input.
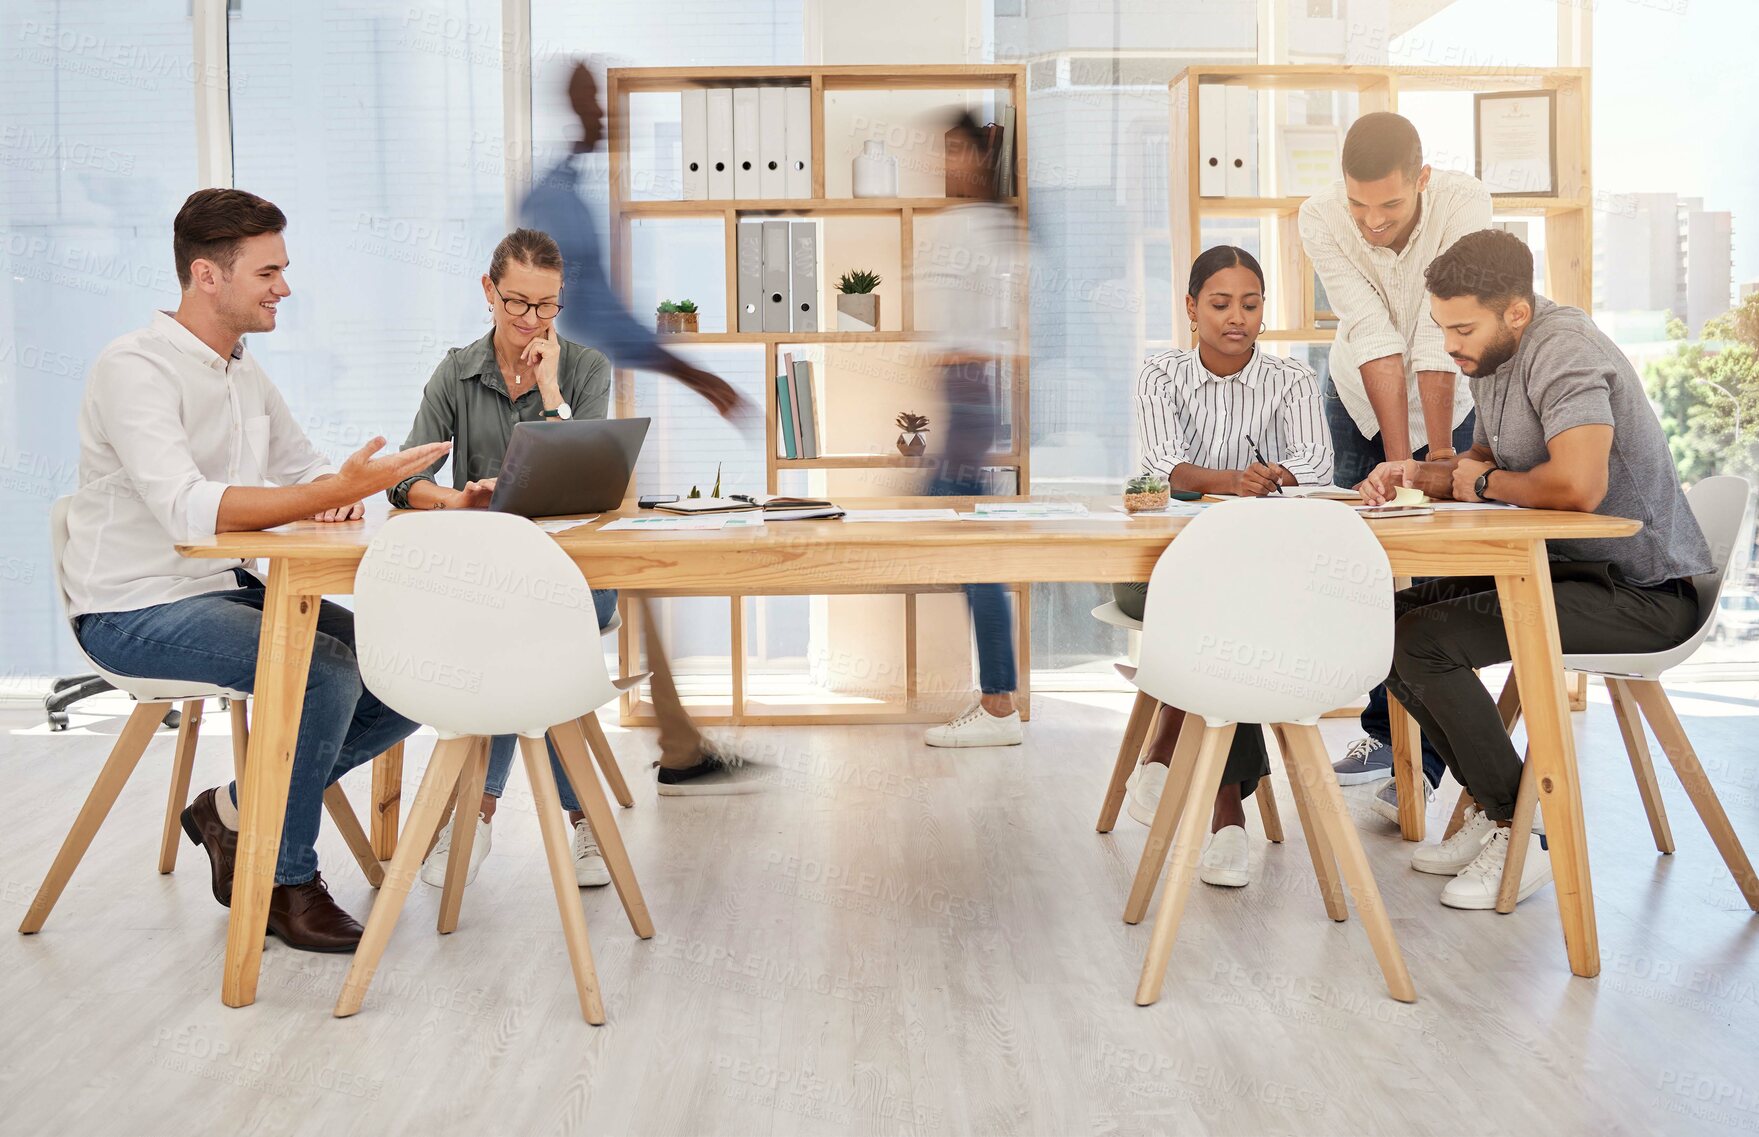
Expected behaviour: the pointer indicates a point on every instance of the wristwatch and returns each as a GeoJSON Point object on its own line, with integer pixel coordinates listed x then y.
{"type": "Point", "coordinates": [564, 411]}
{"type": "Point", "coordinates": [1482, 486]}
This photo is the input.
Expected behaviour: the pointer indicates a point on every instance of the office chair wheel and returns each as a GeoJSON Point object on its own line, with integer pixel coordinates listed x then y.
{"type": "Point", "coordinates": [57, 720]}
{"type": "Point", "coordinates": [173, 718]}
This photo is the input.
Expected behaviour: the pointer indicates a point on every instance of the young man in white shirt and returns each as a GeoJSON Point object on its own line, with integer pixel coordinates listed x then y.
{"type": "Point", "coordinates": [1392, 393]}
{"type": "Point", "coordinates": [182, 436]}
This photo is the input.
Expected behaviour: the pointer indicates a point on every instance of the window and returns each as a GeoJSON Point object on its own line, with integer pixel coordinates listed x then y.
{"type": "Point", "coordinates": [97, 151]}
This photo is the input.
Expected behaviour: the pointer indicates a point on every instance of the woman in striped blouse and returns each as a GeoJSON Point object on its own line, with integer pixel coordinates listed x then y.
{"type": "Point", "coordinates": [1201, 413]}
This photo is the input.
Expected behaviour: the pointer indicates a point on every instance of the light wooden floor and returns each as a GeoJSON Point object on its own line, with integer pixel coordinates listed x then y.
{"type": "Point", "coordinates": [892, 940]}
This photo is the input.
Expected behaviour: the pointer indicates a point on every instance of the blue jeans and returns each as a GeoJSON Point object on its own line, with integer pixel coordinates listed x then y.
{"type": "Point", "coordinates": [991, 623]}
{"type": "Point", "coordinates": [1353, 459]}
{"type": "Point", "coordinates": [501, 749]}
{"type": "Point", "coordinates": [213, 639]}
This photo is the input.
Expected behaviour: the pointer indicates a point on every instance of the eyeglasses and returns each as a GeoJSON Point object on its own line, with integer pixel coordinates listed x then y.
{"type": "Point", "coordinates": [545, 311]}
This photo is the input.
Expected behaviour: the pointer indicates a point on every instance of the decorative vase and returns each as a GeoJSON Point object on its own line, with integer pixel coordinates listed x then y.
{"type": "Point", "coordinates": [911, 444]}
{"type": "Point", "coordinates": [674, 323]}
{"type": "Point", "coordinates": [1146, 502]}
{"type": "Point", "coordinates": [874, 173]}
{"type": "Point", "coordinates": [687, 322]}
{"type": "Point", "coordinates": [858, 311]}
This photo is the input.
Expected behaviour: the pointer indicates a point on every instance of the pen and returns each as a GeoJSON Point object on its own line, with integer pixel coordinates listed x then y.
{"type": "Point", "coordinates": [1276, 487]}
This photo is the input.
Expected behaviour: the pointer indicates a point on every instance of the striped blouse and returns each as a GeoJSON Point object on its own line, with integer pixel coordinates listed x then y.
{"type": "Point", "coordinates": [1186, 414]}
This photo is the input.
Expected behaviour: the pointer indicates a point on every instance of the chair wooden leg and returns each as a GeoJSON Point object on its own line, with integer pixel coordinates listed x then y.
{"type": "Point", "coordinates": [348, 824]}
{"type": "Point", "coordinates": [1624, 708]}
{"type": "Point", "coordinates": [1187, 849]}
{"type": "Point", "coordinates": [1408, 771]}
{"type": "Point", "coordinates": [445, 816]}
{"type": "Point", "coordinates": [188, 732]}
{"type": "Point", "coordinates": [1325, 869]}
{"type": "Point", "coordinates": [607, 760]}
{"type": "Point", "coordinates": [1143, 712]}
{"type": "Point", "coordinates": [1334, 818]}
{"type": "Point", "coordinates": [1508, 704]}
{"type": "Point", "coordinates": [1461, 805]}
{"type": "Point", "coordinates": [424, 821]}
{"type": "Point", "coordinates": [240, 739]}
{"type": "Point", "coordinates": [470, 789]}
{"type": "Point", "coordinates": [568, 740]}
{"type": "Point", "coordinates": [1508, 890]}
{"type": "Point", "coordinates": [1678, 748]}
{"type": "Point", "coordinates": [124, 756]}
{"type": "Point", "coordinates": [1577, 683]}
{"type": "Point", "coordinates": [561, 859]}
{"type": "Point", "coordinates": [387, 801]}
{"type": "Point", "coordinates": [1166, 820]}
{"type": "Point", "coordinates": [1267, 810]}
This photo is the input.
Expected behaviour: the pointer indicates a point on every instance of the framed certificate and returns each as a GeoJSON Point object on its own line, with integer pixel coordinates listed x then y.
{"type": "Point", "coordinates": [1515, 137]}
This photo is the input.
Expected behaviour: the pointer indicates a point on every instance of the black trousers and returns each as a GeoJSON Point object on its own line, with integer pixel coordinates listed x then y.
{"type": "Point", "coordinates": [1247, 760]}
{"type": "Point", "coordinates": [1447, 627]}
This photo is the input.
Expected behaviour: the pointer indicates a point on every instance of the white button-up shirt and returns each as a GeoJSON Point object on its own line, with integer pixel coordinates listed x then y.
{"type": "Point", "coordinates": [1379, 295]}
{"type": "Point", "coordinates": [1187, 413]}
{"type": "Point", "coordinates": [165, 427]}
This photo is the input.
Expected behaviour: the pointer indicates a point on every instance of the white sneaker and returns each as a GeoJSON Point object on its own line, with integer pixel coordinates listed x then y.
{"type": "Point", "coordinates": [1451, 857]}
{"type": "Point", "coordinates": [433, 870]}
{"type": "Point", "coordinates": [1225, 862]}
{"type": "Point", "coordinates": [1385, 801]}
{"type": "Point", "coordinates": [1142, 792]}
{"type": "Point", "coordinates": [977, 727]}
{"type": "Point", "coordinates": [589, 865]}
{"type": "Point", "coordinates": [1476, 886]}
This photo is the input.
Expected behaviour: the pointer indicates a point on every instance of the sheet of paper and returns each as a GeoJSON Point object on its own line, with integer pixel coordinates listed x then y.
{"type": "Point", "coordinates": [1171, 509]}
{"type": "Point", "coordinates": [1042, 517]}
{"type": "Point", "coordinates": [666, 524]}
{"type": "Point", "coordinates": [1465, 505]}
{"type": "Point", "coordinates": [1027, 510]}
{"type": "Point", "coordinates": [857, 516]}
{"type": "Point", "coordinates": [563, 524]}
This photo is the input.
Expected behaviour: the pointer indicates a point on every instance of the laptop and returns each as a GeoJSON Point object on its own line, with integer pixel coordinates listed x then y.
{"type": "Point", "coordinates": [559, 469]}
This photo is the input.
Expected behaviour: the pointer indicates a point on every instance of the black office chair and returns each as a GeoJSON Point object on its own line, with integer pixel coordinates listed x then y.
{"type": "Point", "coordinates": [63, 693]}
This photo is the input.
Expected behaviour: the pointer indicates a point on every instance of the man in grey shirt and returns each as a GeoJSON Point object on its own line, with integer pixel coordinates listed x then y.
{"type": "Point", "coordinates": [1563, 423]}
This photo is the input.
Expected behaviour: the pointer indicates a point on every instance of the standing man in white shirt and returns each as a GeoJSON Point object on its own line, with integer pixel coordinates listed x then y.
{"type": "Point", "coordinates": [1393, 393]}
{"type": "Point", "coordinates": [182, 436]}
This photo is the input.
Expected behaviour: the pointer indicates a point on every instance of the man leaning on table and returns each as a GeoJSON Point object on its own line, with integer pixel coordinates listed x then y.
{"type": "Point", "coordinates": [183, 436]}
{"type": "Point", "coordinates": [1392, 393]}
{"type": "Point", "coordinates": [1563, 424]}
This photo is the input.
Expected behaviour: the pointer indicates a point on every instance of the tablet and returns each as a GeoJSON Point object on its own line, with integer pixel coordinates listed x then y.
{"type": "Point", "coordinates": [559, 469]}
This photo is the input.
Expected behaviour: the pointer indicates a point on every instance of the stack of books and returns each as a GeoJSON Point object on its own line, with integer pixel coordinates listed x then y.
{"type": "Point", "coordinates": [797, 417]}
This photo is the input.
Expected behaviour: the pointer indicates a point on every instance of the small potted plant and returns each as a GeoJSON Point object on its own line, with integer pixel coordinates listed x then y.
{"type": "Point", "coordinates": [675, 317]}
{"type": "Point", "coordinates": [1145, 494]}
{"type": "Point", "coordinates": [911, 429]}
{"type": "Point", "coordinates": [857, 302]}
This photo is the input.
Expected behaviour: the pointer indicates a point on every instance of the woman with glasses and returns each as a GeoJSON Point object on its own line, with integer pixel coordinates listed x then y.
{"type": "Point", "coordinates": [521, 371]}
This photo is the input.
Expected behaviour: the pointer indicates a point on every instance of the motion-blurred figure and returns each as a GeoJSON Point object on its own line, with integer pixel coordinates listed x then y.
{"type": "Point", "coordinates": [592, 314]}
{"type": "Point", "coordinates": [966, 288]}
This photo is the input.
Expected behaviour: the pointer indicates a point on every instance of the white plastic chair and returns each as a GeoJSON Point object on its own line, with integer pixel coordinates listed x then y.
{"type": "Point", "coordinates": [152, 697]}
{"type": "Point", "coordinates": [1296, 618]}
{"type": "Point", "coordinates": [1634, 682]}
{"type": "Point", "coordinates": [1144, 719]}
{"type": "Point", "coordinates": [479, 624]}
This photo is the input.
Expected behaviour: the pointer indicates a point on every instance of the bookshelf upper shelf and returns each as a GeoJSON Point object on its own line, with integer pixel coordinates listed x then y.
{"type": "Point", "coordinates": [708, 207]}
{"type": "Point", "coordinates": [1278, 206]}
{"type": "Point", "coordinates": [847, 78]}
{"type": "Point", "coordinates": [1315, 77]}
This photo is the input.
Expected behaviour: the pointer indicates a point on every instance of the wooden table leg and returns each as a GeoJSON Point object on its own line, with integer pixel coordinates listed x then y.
{"type": "Point", "coordinates": [1408, 771]}
{"type": "Point", "coordinates": [387, 801]}
{"type": "Point", "coordinates": [284, 651]}
{"type": "Point", "coordinates": [1530, 618]}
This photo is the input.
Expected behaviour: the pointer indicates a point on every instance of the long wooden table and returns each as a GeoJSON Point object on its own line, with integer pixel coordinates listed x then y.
{"type": "Point", "coordinates": [307, 561]}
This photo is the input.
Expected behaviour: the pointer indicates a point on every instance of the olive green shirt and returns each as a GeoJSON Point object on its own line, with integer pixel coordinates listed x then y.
{"type": "Point", "coordinates": [466, 404]}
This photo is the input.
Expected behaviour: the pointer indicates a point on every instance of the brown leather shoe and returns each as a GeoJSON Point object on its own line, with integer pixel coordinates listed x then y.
{"type": "Point", "coordinates": [201, 820]}
{"type": "Point", "coordinates": [306, 917]}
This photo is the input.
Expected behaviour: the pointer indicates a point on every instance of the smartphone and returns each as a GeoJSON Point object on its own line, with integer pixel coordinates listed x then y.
{"type": "Point", "coordinates": [649, 500]}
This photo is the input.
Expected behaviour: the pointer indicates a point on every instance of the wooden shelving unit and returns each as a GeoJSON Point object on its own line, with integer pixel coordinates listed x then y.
{"type": "Point", "coordinates": [1567, 216]}
{"type": "Point", "coordinates": [1009, 82]}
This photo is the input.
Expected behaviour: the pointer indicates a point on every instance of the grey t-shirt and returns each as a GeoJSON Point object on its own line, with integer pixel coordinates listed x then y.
{"type": "Point", "coordinates": [1567, 373]}
{"type": "Point", "coordinates": [466, 404]}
